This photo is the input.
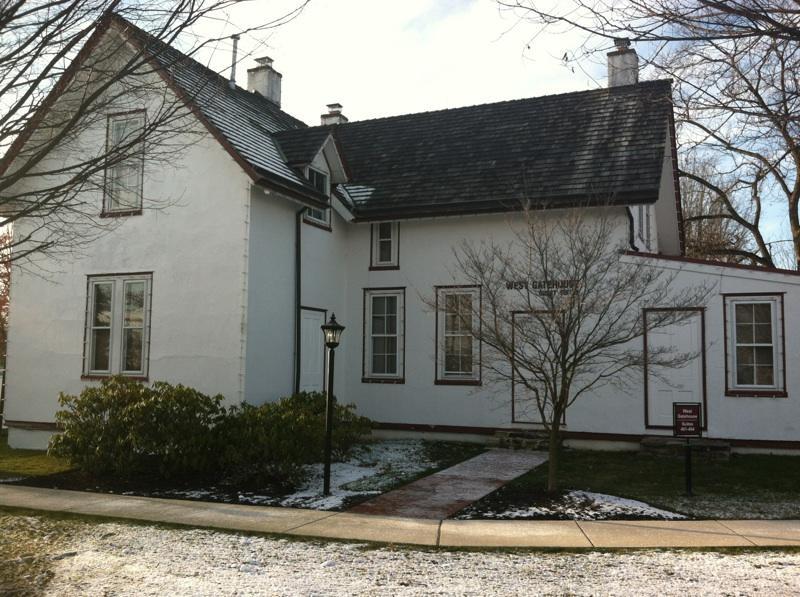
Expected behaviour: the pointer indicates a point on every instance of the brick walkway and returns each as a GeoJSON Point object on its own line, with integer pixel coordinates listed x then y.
{"type": "Point", "coordinates": [442, 494]}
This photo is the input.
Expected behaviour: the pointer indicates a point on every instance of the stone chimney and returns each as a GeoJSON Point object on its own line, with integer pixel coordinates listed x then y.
{"type": "Point", "coordinates": [623, 64]}
{"type": "Point", "coordinates": [265, 80]}
{"type": "Point", "coordinates": [334, 115]}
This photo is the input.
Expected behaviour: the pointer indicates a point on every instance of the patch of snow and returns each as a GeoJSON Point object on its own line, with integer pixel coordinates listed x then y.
{"type": "Point", "coordinates": [370, 470]}
{"type": "Point", "coordinates": [145, 560]}
{"type": "Point", "coordinates": [582, 505]}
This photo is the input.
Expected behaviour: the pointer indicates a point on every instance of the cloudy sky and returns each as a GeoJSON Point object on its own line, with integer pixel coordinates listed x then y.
{"type": "Point", "coordinates": [382, 57]}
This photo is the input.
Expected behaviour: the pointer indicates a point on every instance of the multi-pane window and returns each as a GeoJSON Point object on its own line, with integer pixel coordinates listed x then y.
{"type": "Point", "coordinates": [125, 170]}
{"type": "Point", "coordinates": [384, 244]}
{"type": "Point", "coordinates": [755, 343]}
{"type": "Point", "coordinates": [384, 333]}
{"type": "Point", "coordinates": [320, 182]}
{"type": "Point", "coordinates": [458, 354]}
{"type": "Point", "coordinates": [118, 322]}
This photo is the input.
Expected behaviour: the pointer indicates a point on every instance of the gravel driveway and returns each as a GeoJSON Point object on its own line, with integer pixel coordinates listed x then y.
{"type": "Point", "coordinates": [43, 555]}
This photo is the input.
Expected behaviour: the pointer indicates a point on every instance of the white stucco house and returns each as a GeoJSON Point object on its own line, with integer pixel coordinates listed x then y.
{"type": "Point", "coordinates": [279, 224]}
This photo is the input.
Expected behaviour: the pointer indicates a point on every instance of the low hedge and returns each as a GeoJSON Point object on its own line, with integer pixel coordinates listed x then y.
{"type": "Point", "coordinates": [123, 428]}
{"type": "Point", "coordinates": [270, 444]}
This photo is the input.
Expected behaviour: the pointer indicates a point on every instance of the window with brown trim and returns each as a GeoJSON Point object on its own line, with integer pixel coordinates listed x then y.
{"type": "Point", "coordinates": [458, 351]}
{"type": "Point", "coordinates": [754, 345]}
{"type": "Point", "coordinates": [313, 215]}
{"type": "Point", "coordinates": [124, 177]}
{"type": "Point", "coordinates": [117, 325]}
{"type": "Point", "coordinates": [384, 251]}
{"type": "Point", "coordinates": [384, 334]}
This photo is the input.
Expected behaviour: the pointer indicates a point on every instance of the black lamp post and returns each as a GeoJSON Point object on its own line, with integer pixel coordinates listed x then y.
{"type": "Point", "coordinates": [333, 333]}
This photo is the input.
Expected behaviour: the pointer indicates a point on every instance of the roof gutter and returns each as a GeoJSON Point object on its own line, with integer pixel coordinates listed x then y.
{"type": "Point", "coordinates": [307, 197]}
{"type": "Point", "coordinates": [495, 207]}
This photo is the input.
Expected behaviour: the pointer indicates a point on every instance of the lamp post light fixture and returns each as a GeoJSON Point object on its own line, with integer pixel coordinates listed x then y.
{"type": "Point", "coordinates": [332, 332]}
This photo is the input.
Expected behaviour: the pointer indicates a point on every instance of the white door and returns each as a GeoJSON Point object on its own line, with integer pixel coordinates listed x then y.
{"type": "Point", "coordinates": [312, 351]}
{"type": "Point", "coordinates": [684, 384]}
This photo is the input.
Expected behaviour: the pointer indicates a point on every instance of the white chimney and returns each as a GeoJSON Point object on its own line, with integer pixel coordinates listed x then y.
{"type": "Point", "coordinates": [623, 64]}
{"type": "Point", "coordinates": [334, 115]}
{"type": "Point", "coordinates": [265, 80]}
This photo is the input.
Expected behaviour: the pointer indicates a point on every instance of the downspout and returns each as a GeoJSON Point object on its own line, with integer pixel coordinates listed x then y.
{"type": "Point", "coordinates": [298, 262]}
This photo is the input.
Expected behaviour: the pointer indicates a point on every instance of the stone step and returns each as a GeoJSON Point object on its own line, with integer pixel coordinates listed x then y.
{"type": "Point", "coordinates": [522, 439]}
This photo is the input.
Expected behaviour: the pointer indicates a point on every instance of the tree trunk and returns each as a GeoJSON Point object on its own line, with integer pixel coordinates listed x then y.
{"type": "Point", "coordinates": [553, 453]}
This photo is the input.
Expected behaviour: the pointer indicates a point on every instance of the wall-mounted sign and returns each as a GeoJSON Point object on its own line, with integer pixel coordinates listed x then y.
{"type": "Point", "coordinates": [543, 286]}
{"type": "Point", "coordinates": [686, 419]}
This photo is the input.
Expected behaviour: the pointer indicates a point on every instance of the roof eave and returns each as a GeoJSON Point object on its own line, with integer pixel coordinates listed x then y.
{"type": "Point", "coordinates": [299, 193]}
{"type": "Point", "coordinates": [496, 207]}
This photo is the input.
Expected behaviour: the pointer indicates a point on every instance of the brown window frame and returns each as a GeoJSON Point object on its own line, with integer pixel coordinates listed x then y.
{"type": "Point", "coordinates": [105, 212]}
{"type": "Point", "coordinates": [731, 389]}
{"type": "Point", "coordinates": [366, 374]}
{"type": "Point", "coordinates": [374, 264]}
{"type": "Point", "coordinates": [476, 379]}
{"type": "Point", "coordinates": [326, 224]}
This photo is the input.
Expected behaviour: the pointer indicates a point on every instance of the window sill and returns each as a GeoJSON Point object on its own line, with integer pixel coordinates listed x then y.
{"type": "Point", "coordinates": [121, 213]}
{"type": "Point", "coordinates": [101, 377]}
{"type": "Point", "coordinates": [756, 393]}
{"type": "Point", "coordinates": [378, 268]}
{"type": "Point", "coordinates": [389, 380]}
{"type": "Point", "coordinates": [458, 382]}
{"type": "Point", "coordinates": [317, 224]}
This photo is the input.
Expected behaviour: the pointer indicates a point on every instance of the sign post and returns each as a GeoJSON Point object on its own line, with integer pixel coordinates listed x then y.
{"type": "Point", "coordinates": [686, 422]}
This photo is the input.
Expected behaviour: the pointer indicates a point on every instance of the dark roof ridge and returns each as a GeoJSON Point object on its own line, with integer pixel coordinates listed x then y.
{"type": "Point", "coordinates": [650, 83]}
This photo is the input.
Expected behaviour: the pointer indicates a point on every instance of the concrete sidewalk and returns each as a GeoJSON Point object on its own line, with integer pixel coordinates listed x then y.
{"type": "Point", "coordinates": [412, 531]}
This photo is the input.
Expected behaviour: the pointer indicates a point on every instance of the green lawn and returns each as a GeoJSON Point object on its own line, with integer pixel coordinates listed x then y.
{"type": "Point", "coordinates": [26, 463]}
{"type": "Point", "coordinates": [745, 486]}
{"type": "Point", "coordinates": [632, 474]}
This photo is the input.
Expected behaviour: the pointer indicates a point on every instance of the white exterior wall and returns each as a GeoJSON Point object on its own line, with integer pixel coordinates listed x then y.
{"type": "Point", "coordinates": [426, 260]}
{"type": "Point", "coordinates": [744, 418]}
{"type": "Point", "coordinates": [271, 291]}
{"type": "Point", "coordinates": [270, 303]}
{"type": "Point", "coordinates": [195, 245]}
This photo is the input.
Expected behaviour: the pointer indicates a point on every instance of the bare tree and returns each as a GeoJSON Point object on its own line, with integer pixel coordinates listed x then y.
{"type": "Point", "coordinates": [5, 293]}
{"type": "Point", "coordinates": [562, 309]}
{"type": "Point", "coordinates": [64, 66]}
{"type": "Point", "coordinates": [709, 231]}
{"type": "Point", "coordinates": [670, 20]}
{"type": "Point", "coordinates": [735, 67]}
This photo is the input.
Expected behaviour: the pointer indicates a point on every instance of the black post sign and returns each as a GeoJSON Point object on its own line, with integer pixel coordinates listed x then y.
{"type": "Point", "coordinates": [686, 422]}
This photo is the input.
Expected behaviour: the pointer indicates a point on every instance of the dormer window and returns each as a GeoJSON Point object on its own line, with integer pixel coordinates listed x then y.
{"type": "Point", "coordinates": [385, 246]}
{"type": "Point", "coordinates": [318, 216]}
{"type": "Point", "coordinates": [643, 222]}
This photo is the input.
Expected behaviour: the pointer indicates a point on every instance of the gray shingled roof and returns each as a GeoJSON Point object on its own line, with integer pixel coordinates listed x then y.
{"type": "Point", "coordinates": [301, 146]}
{"type": "Point", "coordinates": [559, 150]}
{"type": "Point", "coordinates": [245, 119]}
{"type": "Point", "coordinates": [553, 151]}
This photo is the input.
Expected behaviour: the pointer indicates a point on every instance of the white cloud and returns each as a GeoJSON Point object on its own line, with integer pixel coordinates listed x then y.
{"type": "Point", "coordinates": [380, 58]}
